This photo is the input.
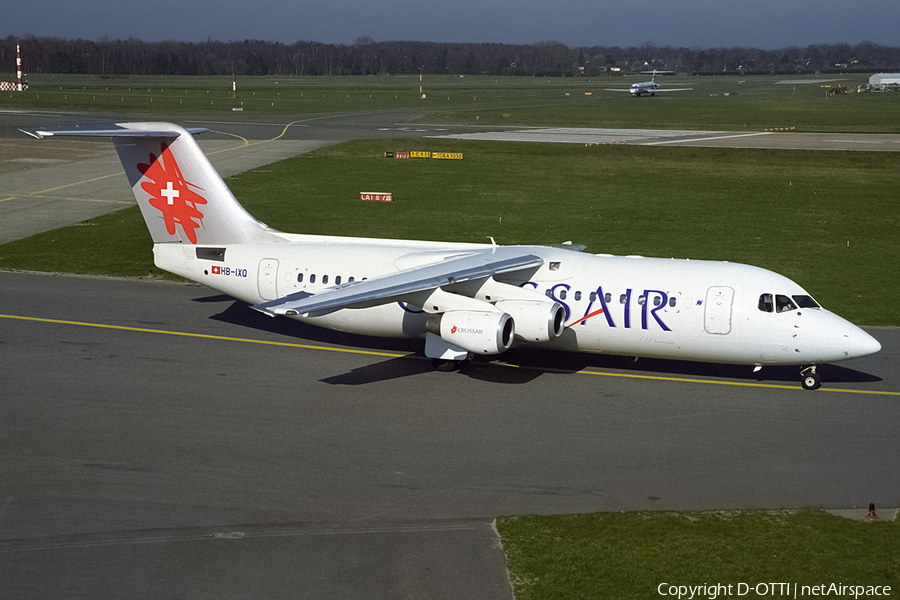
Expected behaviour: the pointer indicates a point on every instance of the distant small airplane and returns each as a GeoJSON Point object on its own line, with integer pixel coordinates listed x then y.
{"type": "Point", "coordinates": [469, 299]}
{"type": "Point", "coordinates": [649, 87]}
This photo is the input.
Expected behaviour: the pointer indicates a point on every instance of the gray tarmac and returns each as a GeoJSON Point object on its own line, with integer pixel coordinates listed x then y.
{"type": "Point", "coordinates": [162, 440]}
{"type": "Point", "coordinates": [785, 140]}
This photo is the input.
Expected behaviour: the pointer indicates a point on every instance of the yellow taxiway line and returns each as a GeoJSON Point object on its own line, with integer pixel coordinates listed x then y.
{"type": "Point", "coordinates": [286, 127]}
{"type": "Point", "coordinates": [199, 335]}
{"type": "Point", "coordinates": [398, 355]}
{"type": "Point", "coordinates": [245, 140]}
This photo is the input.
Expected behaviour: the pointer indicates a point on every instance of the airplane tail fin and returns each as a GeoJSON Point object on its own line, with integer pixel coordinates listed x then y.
{"type": "Point", "coordinates": [181, 196]}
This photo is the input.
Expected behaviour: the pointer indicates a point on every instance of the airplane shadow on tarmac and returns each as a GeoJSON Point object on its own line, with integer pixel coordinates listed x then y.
{"type": "Point", "coordinates": [516, 366]}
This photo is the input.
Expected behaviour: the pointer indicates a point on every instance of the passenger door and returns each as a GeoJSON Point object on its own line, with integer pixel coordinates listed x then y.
{"type": "Point", "coordinates": [268, 270]}
{"type": "Point", "coordinates": [717, 318]}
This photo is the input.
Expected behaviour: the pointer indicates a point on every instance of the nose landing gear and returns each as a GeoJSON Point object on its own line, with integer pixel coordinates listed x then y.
{"type": "Point", "coordinates": [809, 379]}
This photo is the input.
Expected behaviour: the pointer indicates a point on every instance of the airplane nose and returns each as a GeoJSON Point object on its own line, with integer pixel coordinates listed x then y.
{"type": "Point", "coordinates": [860, 343]}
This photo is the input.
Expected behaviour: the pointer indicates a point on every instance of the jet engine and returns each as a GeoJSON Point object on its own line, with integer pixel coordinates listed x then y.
{"type": "Point", "coordinates": [535, 321]}
{"type": "Point", "coordinates": [475, 331]}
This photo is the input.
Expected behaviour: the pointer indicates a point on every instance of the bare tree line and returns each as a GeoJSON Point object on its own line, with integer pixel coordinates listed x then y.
{"type": "Point", "coordinates": [107, 57]}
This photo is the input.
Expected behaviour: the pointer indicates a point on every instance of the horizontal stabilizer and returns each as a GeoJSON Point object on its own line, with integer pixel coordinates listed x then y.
{"type": "Point", "coordinates": [107, 130]}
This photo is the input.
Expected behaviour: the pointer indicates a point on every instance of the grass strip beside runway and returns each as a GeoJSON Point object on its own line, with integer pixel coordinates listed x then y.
{"type": "Point", "coordinates": [643, 554]}
{"type": "Point", "coordinates": [727, 102]}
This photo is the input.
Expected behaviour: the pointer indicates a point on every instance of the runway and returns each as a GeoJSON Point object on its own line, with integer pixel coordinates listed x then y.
{"type": "Point", "coordinates": [162, 440]}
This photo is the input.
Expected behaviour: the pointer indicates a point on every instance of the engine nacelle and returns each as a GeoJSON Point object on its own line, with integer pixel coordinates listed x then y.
{"type": "Point", "coordinates": [535, 321]}
{"type": "Point", "coordinates": [477, 332]}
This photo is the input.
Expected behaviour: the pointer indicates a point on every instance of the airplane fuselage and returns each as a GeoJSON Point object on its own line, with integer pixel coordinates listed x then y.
{"type": "Point", "coordinates": [646, 87]}
{"type": "Point", "coordinates": [634, 306]}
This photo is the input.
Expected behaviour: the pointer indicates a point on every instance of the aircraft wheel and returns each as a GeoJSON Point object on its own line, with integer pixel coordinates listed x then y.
{"type": "Point", "coordinates": [445, 366]}
{"type": "Point", "coordinates": [810, 380]}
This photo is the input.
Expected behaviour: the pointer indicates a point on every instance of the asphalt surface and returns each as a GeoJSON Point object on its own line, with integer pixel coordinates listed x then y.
{"type": "Point", "coordinates": [785, 140]}
{"type": "Point", "coordinates": [161, 440]}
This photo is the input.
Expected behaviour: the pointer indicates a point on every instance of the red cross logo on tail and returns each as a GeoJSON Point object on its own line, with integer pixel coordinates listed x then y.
{"type": "Point", "coordinates": [171, 194]}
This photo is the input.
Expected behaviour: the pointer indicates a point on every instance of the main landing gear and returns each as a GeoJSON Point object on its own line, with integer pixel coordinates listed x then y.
{"type": "Point", "coordinates": [809, 379]}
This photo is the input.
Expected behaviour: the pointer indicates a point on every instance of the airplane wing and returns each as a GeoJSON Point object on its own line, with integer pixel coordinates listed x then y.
{"type": "Point", "coordinates": [612, 90]}
{"type": "Point", "coordinates": [387, 288]}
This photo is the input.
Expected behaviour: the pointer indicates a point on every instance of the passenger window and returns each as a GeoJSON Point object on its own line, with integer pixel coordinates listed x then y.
{"type": "Point", "coordinates": [672, 302]}
{"type": "Point", "coordinates": [784, 303]}
{"type": "Point", "coordinates": [766, 304]}
{"type": "Point", "coordinates": [642, 299]}
{"type": "Point", "coordinates": [324, 279]}
{"type": "Point", "coordinates": [312, 278]}
{"type": "Point", "coordinates": [337, 280]}
{"type": "Point", "coordinates": [577, 296]}
{"type": "Point", "coordinates": [608, 297]}
{"type": "Point", "coordinates": [562, 294]}
{"type": "Point", "coordinates": [300, 278]}
{"type": "Point", "coordinates": [657, 300]}
{"type": "Point", "coordinates": [804, 301]}
{"type": "Point", "coordinates": [351, 279]}
{"type": "Point", "coordinates": [622, 299]}
{"type": "Point", "coordinates": [593, 296]}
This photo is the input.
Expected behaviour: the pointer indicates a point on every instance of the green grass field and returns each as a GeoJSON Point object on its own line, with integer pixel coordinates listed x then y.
{"type": "Point", "coordinates": [726, 102]}
{"type": "Point", "coordinates": [629, 555]}
{"type": "Point", "coordinates": [793, 212]}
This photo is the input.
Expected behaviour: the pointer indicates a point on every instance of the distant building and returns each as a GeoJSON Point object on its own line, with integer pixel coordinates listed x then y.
{"type": "Point", "coordinates": [879, 81]}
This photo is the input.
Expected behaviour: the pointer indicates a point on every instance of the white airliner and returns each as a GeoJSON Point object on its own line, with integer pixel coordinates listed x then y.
{"type": "Point", "coordinates": [468, 299]}
{"type": "Point", "coordinates": [649, 87]}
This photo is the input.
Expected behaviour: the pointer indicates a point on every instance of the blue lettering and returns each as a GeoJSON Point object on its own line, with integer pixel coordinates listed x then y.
{"type": "Point", "coordinates": [627, 304]}
{"type": "Point", "coordinates": [603, 307]}
{"type": "Point", "coordinates": [624, 299]}
{"type": "Point", "coordinates": [661, 305]}
{"type": "Point", "coordinates": [565, 306]}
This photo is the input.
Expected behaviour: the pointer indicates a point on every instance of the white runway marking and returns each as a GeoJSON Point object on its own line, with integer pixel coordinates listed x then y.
{"type": "Point", "coordinates": [574, 135]}
{"type": "Point", "coordinates": [706, 139]}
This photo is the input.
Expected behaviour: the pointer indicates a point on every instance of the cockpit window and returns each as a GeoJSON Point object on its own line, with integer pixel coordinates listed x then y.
{"type": "Point", "coordinates": [784, 303]}
{"type": "Point", "coordinates": [804, 301]}
{"type": "Point", "coordinates": [766, 303]}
